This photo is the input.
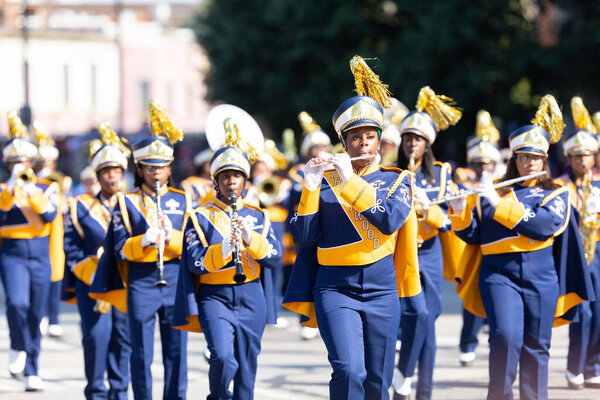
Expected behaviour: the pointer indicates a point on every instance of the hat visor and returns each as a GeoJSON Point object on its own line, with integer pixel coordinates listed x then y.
{"type": "Point", "coordinates": [415, 131]}
{"type": "Point", "coordinates": [156, 162]}
{"type": "Point", "coordinates": [360, 124]}
{"type": "Point", "coordinates": [107, 165]}
{"type": "Point", "coordinates": [17, 159]}
{"type": "Point", "coordinates": [580, 152]}
{"type": "Point", "coordinates": [530, 150]}
{"type": "Point", "coordinates": [229, 167]}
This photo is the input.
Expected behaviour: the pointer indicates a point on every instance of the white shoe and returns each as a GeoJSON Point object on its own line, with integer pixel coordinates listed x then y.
{"type": "Point", "coordinates": [16, 362]}
{"type": "Point", "coordinates": [592, 382]}
{"type": "Point", "coordinates": [44, 326]}
{"type": "Point", "coordinates": [575, 381]}
{"type": "Point", "coordinates": [466, 359]}
{"type": "Point", "coordinates": [55, 330]}
{"type": "Point", "coordinates": [33, 383]}
{"type": "Point", "coordinates": [398, 345]}
{"type": "Point", "coordinates": [401, 385]}
{"type": "Point", "coordinates": [282, 323]}
{"type": "Point", "coordinates": [307, 333]}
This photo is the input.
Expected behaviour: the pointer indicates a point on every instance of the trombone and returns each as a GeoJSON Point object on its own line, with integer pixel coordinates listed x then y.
{"type": "Point", "coordinates": [498, 185]}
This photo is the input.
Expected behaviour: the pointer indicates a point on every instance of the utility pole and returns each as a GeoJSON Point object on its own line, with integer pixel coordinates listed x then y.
{"type": "Point", "coordinates": [25, 111]}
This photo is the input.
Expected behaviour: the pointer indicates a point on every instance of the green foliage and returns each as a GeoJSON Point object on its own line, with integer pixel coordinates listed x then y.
{"type": "Point", "coordinates": [275, 58]}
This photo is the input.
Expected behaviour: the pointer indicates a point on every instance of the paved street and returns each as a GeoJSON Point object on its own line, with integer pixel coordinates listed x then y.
{"type": "Point", "coordinates": [288, 367]}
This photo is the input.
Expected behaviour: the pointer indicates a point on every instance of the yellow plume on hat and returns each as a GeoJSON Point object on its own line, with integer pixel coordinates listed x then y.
{"type": "Point", "coordinates": [42, 137]}
{"type": "Point", "coordinates": [581, 116]}
{"type": "Point", "coordinates": [109, 136]}
{"type": "Point", "coordinates": [485, 128]}
{"type": "Point", "coordinates": [94, 145]}
{"type": "Point", "coordinates": [162, 125]}
{"type": "Point", "coordinates": [549, 117]}
{"type": "Point", "coordinates": [233, 138]}
{"type": "Point", "coordinates": [439, 107]}
{"type": "Point", "coordinates": [15, 126]}
{"type": "Point", "coordinates": [368, 84]}
{"type": "Point", "coordinates": [596, 120]}
{"type": "Point", "coordinates": [307, 123]}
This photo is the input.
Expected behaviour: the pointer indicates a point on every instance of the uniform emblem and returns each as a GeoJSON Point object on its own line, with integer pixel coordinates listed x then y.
{"type": "Point", "coordinates": [536, 192]}
{"type": "Point", "coordinates": [558, 207]}
{"type": "Point", "coordinates": [172, 207]}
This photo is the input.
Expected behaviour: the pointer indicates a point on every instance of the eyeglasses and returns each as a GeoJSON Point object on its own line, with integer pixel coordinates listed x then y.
{"type": "Point", "coordinates": [525, 158]}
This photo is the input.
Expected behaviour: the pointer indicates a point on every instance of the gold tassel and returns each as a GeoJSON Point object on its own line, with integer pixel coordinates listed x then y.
{"type": "Point", "coordinates": [233, 138]}
{"type": "Point", "coordinates": [596, 119]}
{"type": "Point", "coordinates": [368, 84]}
{"type": "Point", "coordinates": [161, 124]}
{"type": "Point", "coordinates": [109, 136]}
{"type": "Point", "coordinates": [549, 117]}
{"type": "Point", "coordinates": [307, 123]}
{"type": "Point", "coordinates": [581, 116]}
{"type": "Point", "coordinates": [42, 137]}
{"type": "Point", "coordinates": [95, 145]}
{"type": "Point", "coordinates": [485, 128]}
{"type": "Point", "coordinates": [439, 107]}
{"type": "Point", "coordinates": [15, 126]}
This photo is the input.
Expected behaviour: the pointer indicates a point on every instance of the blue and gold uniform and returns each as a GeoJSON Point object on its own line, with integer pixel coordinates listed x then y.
{"type": "Point", "coordinates": [105, 329]}
{"type": "Point", "coordinates": [29, 226]}
{"type": "Point", "coordinates": [529, 257]}
{"type": "Point", "coordinates": [436, 252]}
{"type": "Point", "coordinates": [231, 315]}
{"type": "Point", "coordinates": [346, 277]}
{"type": "Point", "coordinates": [127, 275]}
{"type": "Point", "coordinates": [583, 359]}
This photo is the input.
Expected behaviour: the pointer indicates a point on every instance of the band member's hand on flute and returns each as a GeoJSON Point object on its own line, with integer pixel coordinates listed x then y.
{"type": "Point", "coordinates": [486, 189]}
{"type": "Point", "coordinates": [458, 205]}
{"type": "Point", "coordinates": [422, 199]}
{"type": "Point", "coordinates": [342, 164]}
{"type": "Point", "coordinates": [313, 172]}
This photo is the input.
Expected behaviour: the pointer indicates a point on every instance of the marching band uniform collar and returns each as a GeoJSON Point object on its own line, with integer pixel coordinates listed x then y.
{"type": "Point", "coordinates": [150, 192]}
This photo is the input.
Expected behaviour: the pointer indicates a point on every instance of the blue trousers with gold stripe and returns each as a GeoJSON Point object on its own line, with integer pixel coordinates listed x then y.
{"type": "Point", "coordinates": [25, 270]}
{"type": "Point", "coordinates": [233, 319]}
{"type": "Point", "coordinates": [519, 293]}
{"type": "Point", "coordinates": [106, 348]}
{"type": "Point", "coordinates": [418, 320]}
{"type": "Point", "coordinates": [584, 335]}
{"type": "Point", "coordinates": [145, 301]}
{"type": "Point", "coordinates": [358, 313]}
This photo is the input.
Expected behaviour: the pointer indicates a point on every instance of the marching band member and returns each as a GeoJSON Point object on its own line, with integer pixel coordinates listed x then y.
{"type": "Point", "coordinates": [347, 226]}
{"type": "Point", "coordinates": [231, 312]}
{"type": "Point", "coordinates": [200, 185]}
{"type": "Point", "coordinates": [89, 180]}
{"type": "Point", "coordinates": [432, 179]}
{"type": "Point", "coordinates": [139, 230]}
{"type": "Point", "coordinates": [482, 155]}
{"type": "Point", "coordinates": [105, 330]}
{"type": "Point", "coordinates": [527, 245]}
{"type": "Point", "coordinates": [583, 360]}
{"type": "Point", "coordinates": [29, 221]}
{"type": "Point", "coordinates": [45, 168]}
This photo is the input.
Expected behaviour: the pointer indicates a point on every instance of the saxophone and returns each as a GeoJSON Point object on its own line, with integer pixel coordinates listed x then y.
{"type": "Point", "coordinates": [589, 222]}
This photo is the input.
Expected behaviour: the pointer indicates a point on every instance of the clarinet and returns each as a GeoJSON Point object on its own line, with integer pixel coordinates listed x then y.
{"type": "Point", "coordinates": [239, 276]}
{"type": "Point", "coordinates": [160, 264]}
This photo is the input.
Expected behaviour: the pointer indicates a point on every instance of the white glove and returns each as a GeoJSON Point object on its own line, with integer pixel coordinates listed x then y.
{"type": "Point", "coordinates": [313, 175]}
{"type": "Point", "coordinates": [486, 189]}
{"type": "Point", "coordinates": [458, 205]}
{"type": "Point", "coordinates": [342, 164]}
{"type": "Point", "coordinates": [421, 197]}
{"type": "Point", "coordinates": [226, 247]}
{"type": "Point", "coordinates": [12, 181]}
{"type": "Point", "coordinates": [29, 188]}
{"type": "Point", "coordinates": [245, 229]}
{"type": "Point", "coordinates": [168, 226]}
{"type": "Point", "coordinates": [150, 237]}
{"type": "Point", "coordinates": [593, 205]}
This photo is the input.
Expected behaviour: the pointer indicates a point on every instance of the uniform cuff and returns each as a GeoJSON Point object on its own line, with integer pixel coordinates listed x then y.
{"type": "Point", "coordinates": [175, 242]}
{"type": "Point", "coordinates": [38, 202]}
{"type": "Point", "coordinates": [259, 246]}
{"type": "Point", "coordinates": [213, 261]}
{"type": "Point", "coordinates": [509, 212]}
{"type": "Point", "coordinates": [133, 249]}
{"type": "Point", "coordinates": [435, 216]}
{"type": "Point", "coordinates": [6, 199]}
{"type": "Point", "coordinates": [359, 193]}
{"type": "Point", "coordinates": [309, 201]}
{"type": "Point", "coordinates": [462, 221]}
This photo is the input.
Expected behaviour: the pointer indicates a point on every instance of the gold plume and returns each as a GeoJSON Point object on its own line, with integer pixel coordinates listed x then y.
{"type": "Point", "coordinates": [596, 119]}
{"type": "Point", "coordinates": [95, 145]}
{"type": "Point", "coordinates": [549, 117]}
{"type": "Point", "coordinates": [233, 138]}
{"type": "Point", "coordinates": [271, 149]}
{"type": "Point", "coordinates": [368, 83]}
{"type": "Point", "coordinates": [162, 125]}
{"type": "Point", "coordinates": [109, 136]}
{"type": "Point", "coordinates": [581, 116]}
{"type": "Point", "coordinates": [439, 107]}
{"type": "Point", "coordinates": [42, 137]}
{"type": "Point", "coordinates": [307, 123]}
{"type": "Point", "coordinates": [15, 126]}
{"type": "Point", "coordinates": [485, 128]}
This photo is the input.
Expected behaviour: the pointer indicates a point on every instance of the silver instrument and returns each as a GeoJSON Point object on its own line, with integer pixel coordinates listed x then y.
{"type": "Point", "coordinates": [160, 263]}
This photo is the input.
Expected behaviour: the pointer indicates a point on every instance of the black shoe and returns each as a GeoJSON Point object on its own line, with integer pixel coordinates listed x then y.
{"type": "Point", "coordinates": [592, 385]}
{"type": "Point", "coordinates": [401, 396]}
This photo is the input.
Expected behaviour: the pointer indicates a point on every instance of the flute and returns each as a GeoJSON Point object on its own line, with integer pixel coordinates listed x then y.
{"type": "Point", "coordinates": [160, 264]}
{"type": "Point", "coordinates": [239, 276]}
{"type": "Point", "coordinates": [364, 157]}
{"type": "Point", "coordinates": [498, 185]}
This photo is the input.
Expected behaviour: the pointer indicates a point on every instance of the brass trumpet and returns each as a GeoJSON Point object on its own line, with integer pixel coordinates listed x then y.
{"type": "Point", "coordinates": [268, 190]}
{"type": "Point", "coordinates": [26, 176]}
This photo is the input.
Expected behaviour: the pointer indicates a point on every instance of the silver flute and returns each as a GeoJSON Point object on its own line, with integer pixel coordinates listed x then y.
{"type": "Point", "coordinates": [365, 157]}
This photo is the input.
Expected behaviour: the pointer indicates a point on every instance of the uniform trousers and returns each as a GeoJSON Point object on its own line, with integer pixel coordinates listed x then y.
{"type": "Point", "coordinates": [106, 348]}
{"type": "Point", "coordinates": [145, 301]}
{"type": "Point", "coordinates": [468, 334]}
{"type": "Point", "coordinates": [519, 293]}
{"type": "Point", "coordinates": [233, 319]}
{"type": "Point", "coordinates": [54, 295]}
{"type": "Point", "coordinates": [25, 270]}
{"type": "Point", "coordinates": [584, 335]}
{"type": "Point", "coordinates": [419, 314]}
{"type": "Point", "coordinates": [358, 321]}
